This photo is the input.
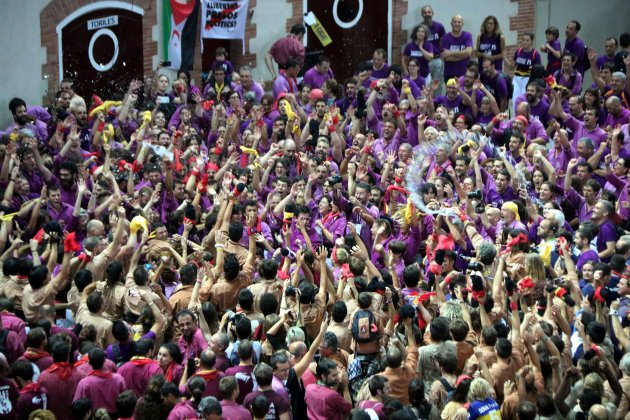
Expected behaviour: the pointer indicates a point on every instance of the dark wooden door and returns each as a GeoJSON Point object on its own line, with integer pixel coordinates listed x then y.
{"type": "Point", "coordinates": [102, 51]}
{"type": "Point", "coordinates": [354, 37]}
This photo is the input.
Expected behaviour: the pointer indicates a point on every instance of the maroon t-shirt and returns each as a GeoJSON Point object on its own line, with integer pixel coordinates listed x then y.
{"type": "Point", "coordinates": [9, 395]}
{"type": "Point", "coordinates": [245, 377]}
{"type": "Point", "coordinates": [32, 397]}
{"type": "Point", "coordinates": [278, 404]}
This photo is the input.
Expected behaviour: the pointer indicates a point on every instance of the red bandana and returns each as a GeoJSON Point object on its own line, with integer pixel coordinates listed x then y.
{"type": "Point", "coordinates": [101, 374]}
{"type": "Point", "coordinates": [64, 369]}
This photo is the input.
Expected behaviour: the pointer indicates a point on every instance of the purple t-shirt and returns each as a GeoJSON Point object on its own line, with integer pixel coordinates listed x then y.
{"type": "Point", "coordinates": [382, 73]}
{"type": "Point", "coordinates": [315, 79]}
{"type": "Point", "coordinates": [553, 62]}
{"type": "Point", "coordinates": [451, 104]}
{"type": "Point", "coordinates": [460, 43]}
{"type": "Point", "coordinates": [576, 47]}
{"type": "Point", "coordinates": [491, 45]}
{"type": "Point", "coordinates": [524, 61]}
{"type": "Point", "coordinates": [496, 86]}
{"type": "Point", "coordinates": [412, 50]}
{"type": "Point", "coordinates": [437, 33]}
{"type": "Point", "coordinates": [607, 233]}
{"type": "Point", "coordinates": [278, 404]}
{"type": "Point", "coordinates": [603, 59]}
{"type": "Point", "coordinates": [585, 257]}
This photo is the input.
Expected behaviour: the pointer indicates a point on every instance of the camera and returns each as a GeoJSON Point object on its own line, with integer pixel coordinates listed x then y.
{"type": "Point", "coordinates": [475, 195]}
{"type": "Point", "coordinates": [475, 266]}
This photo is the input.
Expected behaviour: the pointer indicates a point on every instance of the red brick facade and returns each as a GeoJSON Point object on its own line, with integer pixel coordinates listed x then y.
{"type": "Point", "coordinates": [524, 21]}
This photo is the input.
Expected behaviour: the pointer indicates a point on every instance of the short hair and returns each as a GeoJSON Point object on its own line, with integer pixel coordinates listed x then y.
{"type": "Point", "coordinates": [61, 352]}
{"type": "Point", "coordinates": [459, 329]}
{"type": "Point", "coordinates": [295, 334]}
{"type": "Point", "coordinates": [15, 103]}
{"type": "Point", "coordinates": [411, 275]}
{"type": "Point", "coordinates": [246, 299]}
{"type": "Point", "coordinates": [330, 341]}
{"type": "Point", "coordinates": [260, 406]}
{"type": "Point", "coordinates": [552, 30]}
{"type": "Point", "coordinates": [394, 357]}
{"type": "Point", "coordinates": [22, 369]}
{"type": "Point", "coordinates": [278, 358]}
{"type": "Point", "coordinates": [94, 302]}
{"type": "Point", "coordinates": [207, 359]}
{"type": "Point", "coordinates": [263, 374]}
{"type": "Point", "coordinates": [268, 269]}
{"type": "Point", "coordinates": [37, 276]}
{"type": "Point", "coordinates": [227, 386]}
{"type": "Point", "coordinates": [439, 329]}
{"type": "Point", "coordinates": [503, 348]}
{"type": "Point", "coordinates": [339, 311]}
{"type": "Point", "coordinates": [268, 303]}
{"type": "Point", "coordinates": [479, 390]}
{"type": "Point", "coordinates": [298, 29]}
{"type": "Point", "coordinates": [126, 404]}
{"type": "Point", "coordinates": [526, 410]}
{"type": "Point", "coordinates": [324, 366]}
{"type": "Point", "coordinates": [376, 383]}
{"type": "Point", "coordinates": [231, 266]}
{"type": "Point", "coordinates": [96, 357]}
{"type": "Point", "coordinates": [35, 338]}
{"type": "Point", "coordinates": [489, 335]}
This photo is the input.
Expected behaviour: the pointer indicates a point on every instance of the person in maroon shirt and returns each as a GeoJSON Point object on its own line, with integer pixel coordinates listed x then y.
{"type": "Point", "coordinates": [100, 386]}
{"type": "Point", "coordinates": [138, 371]}
{"type": "Point", "coordinates": [33, 396]}
{"type": "Point", "coordinates": [207, 372]}
{"type": "Point", "coordinates": [35, 353]}
{"type": "Point", "coordinates": [322, 399]}
{"type": "Point", "coordinates": [10, 344]}
{"type": "Point", "coordinates": [229, 389]}
{"type": "Point", "coordinates": [181, 409]}
{"type": "Point", "coordinates": [279, 405]}
{"type": "Point", "coordinates": [9, 393]}
{"type": "Point", "coordinates": [211, 409]}
{"type": "Point", "coordinates": [10, 320]}
{"type": "Point", "coordinates": [244, 372]}
{"type": "Point", "coordinates": [61, 380]}
{"type": "Point", "coordinates": [126, 405]}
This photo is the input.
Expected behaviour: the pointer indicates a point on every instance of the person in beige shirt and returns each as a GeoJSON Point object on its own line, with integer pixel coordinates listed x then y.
{"type": "Point", "coordinates": [268, 283]}
{"type": "Point", "coordinates": [90, 312]}
{"type": "Point", "coordinates": [113, 291]}
{"type": "Point", "coordinates": [401, 374]}
{"type": "Point", "coordinates": [102, 252]}
{"type": "Point", "coordinates": [308, 305]}
{"type": "Point", "coordinates": [224, 293]}
{"type": "Point", "coordinates": [42, 289]}
{"type": "Point", "coordinates": [180, 299]}
{"type": "Point", "coordinates": [339, 327]}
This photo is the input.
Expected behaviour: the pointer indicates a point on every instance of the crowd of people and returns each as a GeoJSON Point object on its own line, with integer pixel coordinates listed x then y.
{"type": "Point", "coordinates": [445, 238]}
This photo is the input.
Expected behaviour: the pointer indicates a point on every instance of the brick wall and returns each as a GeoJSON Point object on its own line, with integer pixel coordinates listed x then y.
{"type": "Point", "coordinates": [524, 21]}
{"type": "Point", "coordinates": [57, 10]}
{"type": "Point", "coordinates": [400, 37]}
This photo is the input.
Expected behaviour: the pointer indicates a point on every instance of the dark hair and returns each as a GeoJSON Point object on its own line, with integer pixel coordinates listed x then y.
{"type": "Point", "coordinates": [235, 231]}
{"type": "Point", "coordinates": [10, 267]}
{"type": "Point", "coordinates": [260, 406]}
{"type": "Point", "coordinates": [439, 329]}
{"type": "Point", "coordinates": [196, 387]}
{"type": "Point", "coordinates": [268, 304]}
{"type": "Point", "coordinates": [126, 403]}
{"type": "Point", "coordinates": [15, 103]}
{"type": "Point", "coordinates": [188, 274]}
{"type": "Point", "coordinates": [339, 311]}
{"type": "Point", "coordinates": [246, 299]}
{"type": "Point", "coordinates": [174, 352]}
{"type": "Point", "coordinates": [94, 302]}
{"type": "Point", "coordinates": [411, 276]}
{"type": "Point", "coordinates": [61, 352]}
{"type": "Point", "coordinates": [268, 269]}
{"type": "Point", "coordinates": [96, 357]}
{"type": "Point", "coordinates": [298, 29]}
{"type": "Point", "coordinates": [503, 348]}
{"type": "Point", "coordinates": [324, 366]}
{"type": "Point", "coordinates": [264, 374]}
{"type": "Point", "coordinates": [169, 388]}
{"type": "Point", "coordinates": [35, 337]}
{"type": "Point", "coordinates": [231, 266]}
{"type": "Point", "coordinates": [38, 276]}
{"type": "Point", "coordinates": [245, 350]}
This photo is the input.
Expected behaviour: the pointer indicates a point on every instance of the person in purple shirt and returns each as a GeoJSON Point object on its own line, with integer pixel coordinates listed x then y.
{"type": "Point", "coordinates": [254, 225]}
{"type": "Point", "coordinates": [457, 48]}
{"type": "Point", "coordinates": [491, 43]}
{"type": "Point", "coordinates": [437, 32]}
{"type": "Point", "coordinates": [248, 84]}
{"type": "Point", "coordinates": [302, 231]}
{"type": "Point", "coordinates": [65, 214]}
{"type": "Point", "coordinates": [610, 48]}
{"type": "Point", "coordinates": [286, 82]}
{"type": "Point", "coordinates": [332, 220]}
{"type": "Point", "coordinates": [380, 68]}
{"type": "Point", "coordinates": [617, 114]}
{"type": "Point", "coordinates": [553, 49]}
{"type": "Point", "coordinates": [496, 83]}
{"type": "Point", "coordinates": [419, 48]}
{"type": "Point", "coordinates": [524, 58]}
{"type": "Point", "coordinates": [567, 76]}
{"type": "Point", "coordinates": [587, 128]}
{"type": "Point", "coordinates": [582, 241]}
{"type": "Point", "coordinates": [319, 73]}
{"type": "Point", "coordinates": [22, 120]}
{"type": "Point", "coordinates": [455, 99]}
{"type": "Point", "coordinates": [138, 371]}
{"type": "Point", "coordinates": [607, 236]}
{"type": "Point", "coordinates": [574, 44]}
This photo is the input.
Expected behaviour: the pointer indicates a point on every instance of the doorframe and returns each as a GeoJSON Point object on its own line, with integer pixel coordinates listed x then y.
{"type": "Point", "coordinates": [390, 22]}
{"type": "Point", "coordinates": [106, 4]}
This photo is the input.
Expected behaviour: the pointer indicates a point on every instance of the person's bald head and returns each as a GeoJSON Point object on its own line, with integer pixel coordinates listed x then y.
{"type": "Point", "coordinates": [598, 412]}
{"type": "Point", "coordinates": [394, 357]}
{"type": "Point", "coordinates": [298, 349]}
{"type": "Point", "coordinates": [95, 228]}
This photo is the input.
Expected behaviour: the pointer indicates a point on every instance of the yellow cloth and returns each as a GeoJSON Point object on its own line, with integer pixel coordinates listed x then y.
{"type": "Point", "coordinates": [511, 206]}
{"type": "Point", "coordinates": [137, 223]}
{"type": "Point", "coordinates": [105, 107]}
{"type": "Point", "coordinates": [8, 217]}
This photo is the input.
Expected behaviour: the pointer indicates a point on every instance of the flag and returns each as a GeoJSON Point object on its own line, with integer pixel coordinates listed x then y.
{"type": "Point", "coordinates": [224, 19]}
{"type": "Point", "coordinates": [180, 28]}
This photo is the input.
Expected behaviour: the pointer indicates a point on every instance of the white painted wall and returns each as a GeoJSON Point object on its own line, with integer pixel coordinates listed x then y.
{"type": "Point", "coordinates": [473, 16]}
{"type": "Point", "coordinates": [609, 18]}
{"type": "Point", "coordinates": [22, 55]}
{"type": "Point", "coordinates": [270, 17]}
